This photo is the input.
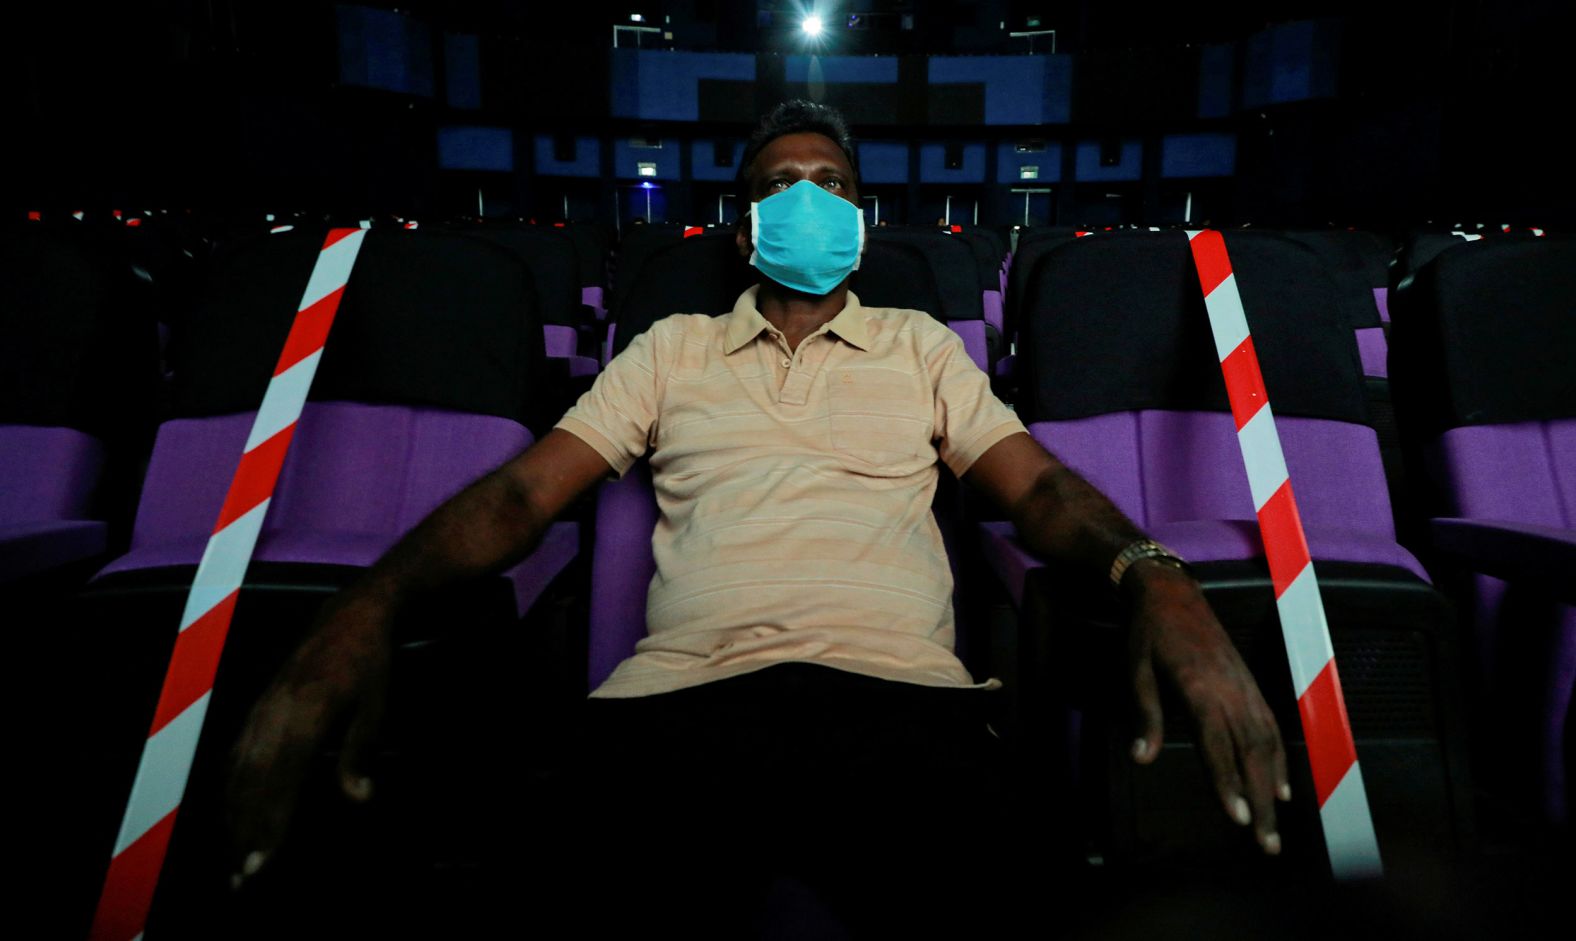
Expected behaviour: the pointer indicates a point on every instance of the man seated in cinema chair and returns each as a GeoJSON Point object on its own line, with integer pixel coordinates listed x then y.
{"type": "Point", "coordinates": [796, 704]}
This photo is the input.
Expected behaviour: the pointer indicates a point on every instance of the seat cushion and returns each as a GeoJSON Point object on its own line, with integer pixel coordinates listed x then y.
{"type": "Point", "coordinates": [29, 548]}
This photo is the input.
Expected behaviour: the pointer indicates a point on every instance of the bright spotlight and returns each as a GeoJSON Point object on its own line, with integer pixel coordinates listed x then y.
{"type": "Point", "coordinates": [811, 26]}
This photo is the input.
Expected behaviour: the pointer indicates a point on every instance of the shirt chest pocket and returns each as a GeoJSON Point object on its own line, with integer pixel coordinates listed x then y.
{"type": "Point", "coordinates": [879, 416]}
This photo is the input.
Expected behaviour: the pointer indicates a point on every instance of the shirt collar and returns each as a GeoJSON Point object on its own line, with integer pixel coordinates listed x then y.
{"type": "Point", "coordinates": [746, 322]}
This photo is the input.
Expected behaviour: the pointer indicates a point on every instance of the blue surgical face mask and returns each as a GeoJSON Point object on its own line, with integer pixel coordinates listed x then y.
{"type": "Point", "coordinates": [806, 238]}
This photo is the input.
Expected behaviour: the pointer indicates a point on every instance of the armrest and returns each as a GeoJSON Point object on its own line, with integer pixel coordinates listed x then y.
{"type": "Point", "coordinates": [1522, 552]}
{"type": "Point", "coordinates": [1007, 558]}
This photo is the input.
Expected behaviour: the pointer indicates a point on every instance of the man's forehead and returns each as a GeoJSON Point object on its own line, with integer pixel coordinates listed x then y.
{"type": "Point", "coordinates": [803, 146]}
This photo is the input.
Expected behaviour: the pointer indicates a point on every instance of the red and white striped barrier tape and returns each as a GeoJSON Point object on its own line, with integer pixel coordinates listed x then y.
{"type": "Point", "coordinates": [172, 742]}
{"type": "Point", "coordinates": [1332, 753]}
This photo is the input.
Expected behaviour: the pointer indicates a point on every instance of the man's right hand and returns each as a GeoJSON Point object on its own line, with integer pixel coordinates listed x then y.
{"type": "Point", "coordinates": [337, 678]}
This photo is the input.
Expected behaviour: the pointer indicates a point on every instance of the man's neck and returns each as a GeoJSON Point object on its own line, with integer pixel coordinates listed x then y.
{"type": "Point", "coordinates": [798, 314]}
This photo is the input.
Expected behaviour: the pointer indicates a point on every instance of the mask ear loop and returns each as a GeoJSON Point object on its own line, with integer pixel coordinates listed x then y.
{"type": "Point", "coordinates": [859, 210]}
{"type": "Point", "coordinates": [755, 232]}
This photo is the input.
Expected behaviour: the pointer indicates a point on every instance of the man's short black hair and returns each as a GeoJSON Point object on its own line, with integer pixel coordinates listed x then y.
{"type": "Point", "coordinates": [797, 117]}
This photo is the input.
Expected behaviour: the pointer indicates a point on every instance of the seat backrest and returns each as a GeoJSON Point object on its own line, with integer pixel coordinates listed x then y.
{"type": "Point", "coordinates": [1357, 263]}
{"type": "Point", "coordinates": [988, 267]}
{"type": "Point", "coordinates": [428, 319]}
{"type": "Point", "coordinates": [81, 346]}
{"type": "Point", "coordinates": [591, 242]}
{"type": "Point", "coordinates": [702, 274]}
{"type": "Point", "coordinates": [554, 264]}
{"type": "Point", "coordinates": [1484, 342]}
{"type": "Point", "coordinates": [897, 274]}
{"type": "Point", "coordinates": [1033, 244]}
{"type": "Point", "coordinates": [987, 260]}
{"type": "Point", "coordinates": [634, 247]}
{"type": "Point", "coordinates": [952, 266]}
{"type": "Point", "coordinates": [48, 474]}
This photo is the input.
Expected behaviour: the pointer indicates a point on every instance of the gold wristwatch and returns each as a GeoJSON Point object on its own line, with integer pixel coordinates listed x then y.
{"type": "Point", "coordinates": [1139, 550]}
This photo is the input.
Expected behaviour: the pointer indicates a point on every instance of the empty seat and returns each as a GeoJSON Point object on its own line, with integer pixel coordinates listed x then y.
{"type": "Point", "coordinates": [954, 270]}
{"type": "Point", "coordinates": [1357, 263]}
{"type": "Point", "coordinates": [551, 255]}
{"type": "Point", "coordinates": [1484, 340]}
{"type": "Point", "coordinates": [1120, 378]}
{"type": "Point", "coordinates": [79, 393]}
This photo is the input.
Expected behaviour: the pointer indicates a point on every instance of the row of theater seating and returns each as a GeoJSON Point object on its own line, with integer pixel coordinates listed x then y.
{"type": "Point", "coordinates": [438, 369]}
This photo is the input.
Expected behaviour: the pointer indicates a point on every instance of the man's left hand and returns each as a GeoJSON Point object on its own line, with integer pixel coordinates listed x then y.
{"type": "Point", "coordinates": [1174, 635]}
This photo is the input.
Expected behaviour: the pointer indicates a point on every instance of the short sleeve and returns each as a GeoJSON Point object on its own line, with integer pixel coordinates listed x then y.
{"type": "Point", "coordinates": [969, 418]}
{"type": "Point", "coordinates": [617, 417]}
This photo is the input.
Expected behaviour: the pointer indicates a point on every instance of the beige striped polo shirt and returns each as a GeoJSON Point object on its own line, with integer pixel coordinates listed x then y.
{"type": "Point", "coordinates": [794, 489]}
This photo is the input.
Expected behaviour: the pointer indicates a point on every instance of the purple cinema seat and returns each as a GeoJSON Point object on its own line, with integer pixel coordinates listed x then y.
{"type": "Point", "coordinates": [552, 255]}
{"type": "Point", "coordinates": [622, 564]}
{"type": "Point", "coordinates": [1177, 470]}
{"type": "Point", "coordinates": [975, 341]}
{"type": "Point", "coordinates": [48, 477]}
{"type": "Point", "coordinates": [1357, 262]}
{"type": "Point", "coordinates": [357, 478]}
{"type": "Point", "coordinates": [1179, 476]}
{"type": "Point", "coordinates": [1119, 377]}
{"type": "Point", "coordinates": [592, 296]}
{"type": "Point", "coordinates": [992, 302]}
{"type": "Point", "coordinates": [1481, 364]}
{"type": "Point", "coordinates": [562, 343]}
{"type": "Point", "coordinates": [79, 385]}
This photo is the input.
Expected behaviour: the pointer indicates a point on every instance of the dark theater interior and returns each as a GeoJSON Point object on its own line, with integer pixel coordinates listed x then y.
{"type": "Point", "coordinates": [1204, 374]}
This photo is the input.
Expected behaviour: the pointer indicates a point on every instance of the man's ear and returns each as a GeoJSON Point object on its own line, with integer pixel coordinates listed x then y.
{"type": "Point", "coordinates": [741, 236]}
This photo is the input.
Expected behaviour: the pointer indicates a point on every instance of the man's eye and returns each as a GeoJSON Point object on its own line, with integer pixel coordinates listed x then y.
{"type": "Point", "coordinates": [777, 184]}
{"type": "Point", "coordinates": [833, 184]}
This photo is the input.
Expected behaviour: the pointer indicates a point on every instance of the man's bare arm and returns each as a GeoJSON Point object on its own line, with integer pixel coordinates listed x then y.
{"type": "Point", "coordinates": [1058, 514]}
{"type": "Point", "coordinates": [1173, 632]}
{"type": "Point", "coordinates": [341, 669]}
{"type": "Point", "coordinates": [490, 525]}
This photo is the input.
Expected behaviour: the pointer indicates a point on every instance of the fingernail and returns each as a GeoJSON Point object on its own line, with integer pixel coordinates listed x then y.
{"type": "Point", "coordinates": [1240, 811]}
{"type": "Point", "coordinates": [1284, 792]}
{"type": "Point", "coordinates": [1140, 749]}
{"type": "Point", "coordinates": [254, 862]}
{"type": "Point", "coordinates": [1272, 844]}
